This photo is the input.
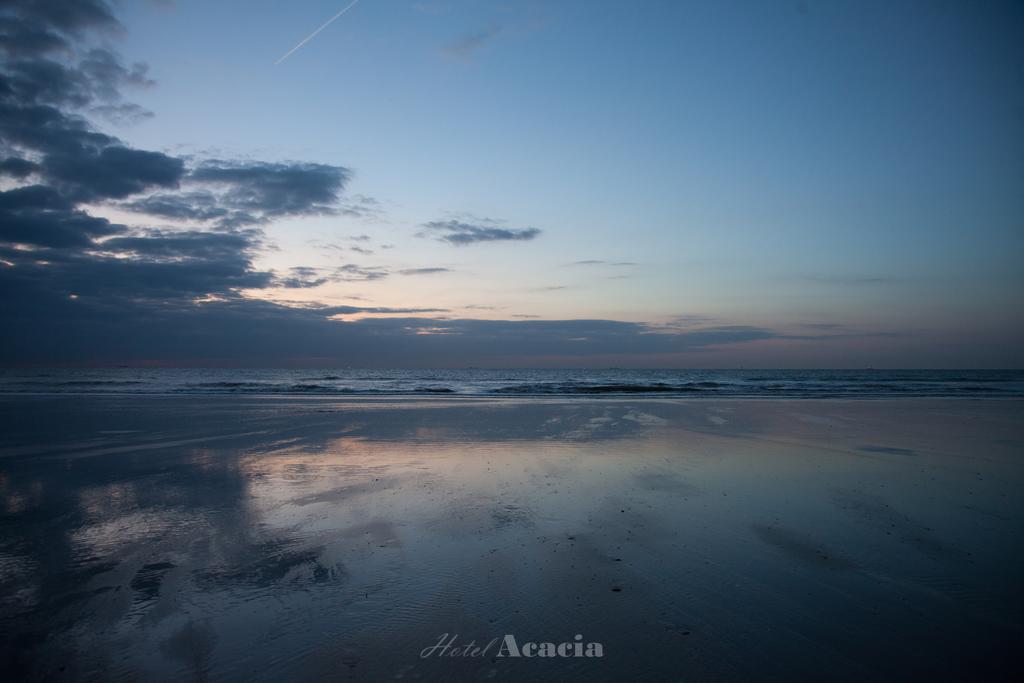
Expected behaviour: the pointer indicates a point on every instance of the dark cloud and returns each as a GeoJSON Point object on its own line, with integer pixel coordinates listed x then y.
{"type": "Point", "coordinates": [63, 16]}
{"type": "Point", "coordinates": [200, 205]}
{"type": "Point", "coordinates": [40, 197]}
{"type": "Point", "coordinates": [32, 28]}
{"type": "Point", "coordinates": [461, 233]}
{"type": "Point", "coordinates": [178, 244]}
{"type": "Point", "coordinates": [234, 194]}
{"type": "Point", "coordinates": [16, 167]}
{"type": "Point", "coordinates": [111, 172]}
{"type": "Point", "coordinates": [275, 189]}
{"type": "Point", "coordinates": [39, 215]}
{"type": "Point", "coordinates": [39, 99]}
{"type": "Point", "coordinates": [22, 38]}
{"type": "Point", "coordinates": [51, 326]}
{"type": "Point", "coordinates": [137, 273]}
{"type": "Point", "coordinates": [97, 78]}
{"type": "Point", "coordinates": [44, 130]}
{"type": "Point", "coordinates": [47, 81]}
{"type": "Point", "coordinates": [108, 74]}
{"type": "Point", "coordinates": [53, 250]}
{"type": "Point", "coordinates": [75, 283]}
{"type": "Point", "coordinates": [42, 99]}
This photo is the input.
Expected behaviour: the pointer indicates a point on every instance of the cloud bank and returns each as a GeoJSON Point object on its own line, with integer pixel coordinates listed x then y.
{"type": "Point", "coordinates": [79, 288]}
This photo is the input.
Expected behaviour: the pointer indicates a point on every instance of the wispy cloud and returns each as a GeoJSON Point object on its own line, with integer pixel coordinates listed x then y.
{"type": "Point", "coordinates": [352, 310]}
{"type": "Point", "coordinates": [466, 45]}
{"type": "Point", "coordinates": [823, 326]}
{"type": "Point", "coordinates": [431, 7]}
{"type": "Point", "coordinates": [350, 272]}
{"type": "Point", "coordinates": [308, 277]}
{"type": "Point", "coordinates": [362, 206]}
{"type": "Point", "coordinates": [303, 277]}
{"type": "Point", "coordinates": [839, 279]}
{"type": "Point", "coordinates": [597, 262]}
{"type": "Point", "coordinates": [462, 233]}
{"type": "Point", "coordinates": [424, 271]}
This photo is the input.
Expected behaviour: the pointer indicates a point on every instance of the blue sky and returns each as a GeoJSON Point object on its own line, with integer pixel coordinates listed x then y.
{"type": "Point", "coordinates": [792, 166]}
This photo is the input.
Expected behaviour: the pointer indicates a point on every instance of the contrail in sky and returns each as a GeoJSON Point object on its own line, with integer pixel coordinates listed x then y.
{"type": "Point", "coordinates": [313, 34]}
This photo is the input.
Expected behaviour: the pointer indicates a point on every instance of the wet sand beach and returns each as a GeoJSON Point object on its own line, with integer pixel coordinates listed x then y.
{"type": "Point", "coordinates": [289, 538]}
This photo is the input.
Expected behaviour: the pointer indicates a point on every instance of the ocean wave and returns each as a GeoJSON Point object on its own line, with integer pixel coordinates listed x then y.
{"type": "Point", "coordinates": [95, 382]}
{"type": "Point", "coordinates": [227, 385]}
{"type": "Point", "coordinates": [308, 387]}
{"type": "Point", "coordinates": [507, 383]}
{"type": "Point", "coordinates": [579, 388]}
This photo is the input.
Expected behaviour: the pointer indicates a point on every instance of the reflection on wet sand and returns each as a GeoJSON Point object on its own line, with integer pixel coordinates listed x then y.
{"type": "Point", "coordinates": [226, 538]}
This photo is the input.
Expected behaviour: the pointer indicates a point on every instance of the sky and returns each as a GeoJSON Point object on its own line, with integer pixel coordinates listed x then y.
{"type": "Point", "coordinates": [512, 184]}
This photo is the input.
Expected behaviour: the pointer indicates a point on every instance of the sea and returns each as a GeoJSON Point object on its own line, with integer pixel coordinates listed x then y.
{"type": "Point", "coordinates": [517, 382]}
